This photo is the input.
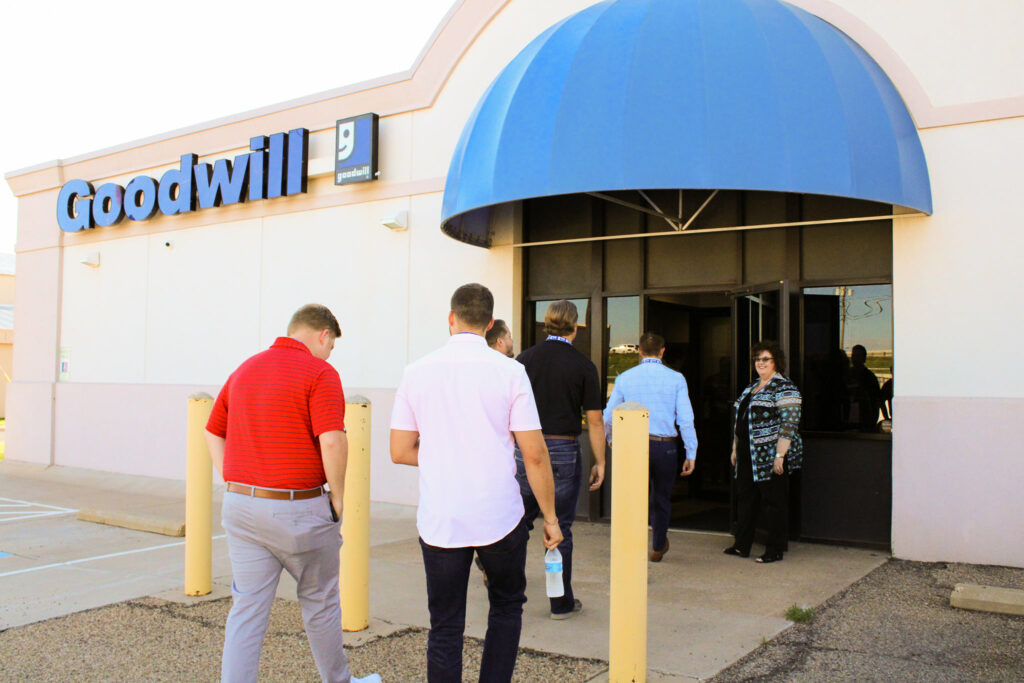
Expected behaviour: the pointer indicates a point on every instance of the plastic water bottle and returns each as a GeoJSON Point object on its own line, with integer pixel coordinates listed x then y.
{"type": "Point", "coordinates": [553, 573]}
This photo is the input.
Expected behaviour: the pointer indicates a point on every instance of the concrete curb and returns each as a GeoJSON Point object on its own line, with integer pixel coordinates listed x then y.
{"type": "Point", "coordinates": [987, 598]}
{"type": "Point", "coordinates": [125, 520]}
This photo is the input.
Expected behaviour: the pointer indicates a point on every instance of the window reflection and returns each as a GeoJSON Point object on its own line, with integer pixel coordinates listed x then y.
{"type": "Point", "coordinates": [623, 333]}
{"type": "Point", "coordinates": [848, 361]}
{"type": "Point", "coordinates": [582, 340]}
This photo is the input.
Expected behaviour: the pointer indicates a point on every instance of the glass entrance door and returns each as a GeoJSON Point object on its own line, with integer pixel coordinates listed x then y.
{"type": "Point", "coordinates": [757, 315]}
{"type": "Point", "coordinates": [698, 343]}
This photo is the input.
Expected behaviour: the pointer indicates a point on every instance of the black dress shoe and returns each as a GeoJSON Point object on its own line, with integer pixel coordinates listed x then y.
{"type": "Point", "coordinates": [770, 557]}
{"type": "Point", "coordinates": [738, 552]}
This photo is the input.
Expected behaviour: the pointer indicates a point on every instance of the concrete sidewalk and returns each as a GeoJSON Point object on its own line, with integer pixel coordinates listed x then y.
{"type": "Point", "coordinates": [706, 610]}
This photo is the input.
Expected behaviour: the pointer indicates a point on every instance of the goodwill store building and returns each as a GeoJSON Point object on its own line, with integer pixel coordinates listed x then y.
{"type": "Point", "coordinates": [831, 173]}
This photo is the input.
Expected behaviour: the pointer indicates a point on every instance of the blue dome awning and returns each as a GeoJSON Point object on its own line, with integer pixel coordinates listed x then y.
{"type": "Point", "coordinates": [685, 94]}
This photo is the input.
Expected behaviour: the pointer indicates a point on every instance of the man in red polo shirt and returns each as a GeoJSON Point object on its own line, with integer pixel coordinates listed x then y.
{"type": "Point", "coordinates": [277, 435]}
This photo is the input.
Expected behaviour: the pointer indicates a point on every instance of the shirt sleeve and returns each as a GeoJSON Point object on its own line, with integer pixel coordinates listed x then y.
{"type": "Point", "coordinates": [684, 418]}
{"type": "Point", "coordinates": [788, 403]}
{"type": "Point", "coordinates": [591, 388]}
{"type": "Point", "coordinates": [523, 415]}
{"type": "Point", "coordinates": [402, 415]}
{"type": "Point", "coordinates": [615, 399]}
{"type": "Point", "coordinates": [327, 403]}
{"type": "Point", "coordinates": [218, 422]}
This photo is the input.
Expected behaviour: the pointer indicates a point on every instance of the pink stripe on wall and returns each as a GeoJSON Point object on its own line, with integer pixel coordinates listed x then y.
{"type": "Point", "coordinates": [958, 480]}
{"type": "Point", "coordinates": [29, 424]}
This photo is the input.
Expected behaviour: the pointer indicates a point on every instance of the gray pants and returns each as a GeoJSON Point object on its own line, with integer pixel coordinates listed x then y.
{"type": "Point", "coordinates": [264, 537]}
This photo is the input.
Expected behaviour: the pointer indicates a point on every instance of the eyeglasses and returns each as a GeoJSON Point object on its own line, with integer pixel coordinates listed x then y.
{"type": "Point", "coordinates": [763, 359]}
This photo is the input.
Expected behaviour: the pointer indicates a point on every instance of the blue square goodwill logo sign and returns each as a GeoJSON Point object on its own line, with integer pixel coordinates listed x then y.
{"type": "Point", "coordinates": [355, 160]}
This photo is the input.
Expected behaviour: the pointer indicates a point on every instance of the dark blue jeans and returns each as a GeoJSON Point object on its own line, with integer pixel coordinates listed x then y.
{"type": "Point", "coordinates": [566, 465]}
{"type": "Point", "coordinates": [663, 471]}
{"type": "Point", "coordinates": [447, 572]}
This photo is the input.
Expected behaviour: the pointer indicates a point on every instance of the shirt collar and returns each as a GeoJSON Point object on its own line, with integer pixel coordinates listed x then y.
{"type": "Point", "coordinates": [467, 338]}
{"type": "Point", "coordinates": [651, 360]}
{"type": "Point", "coordinates": [289, 343]}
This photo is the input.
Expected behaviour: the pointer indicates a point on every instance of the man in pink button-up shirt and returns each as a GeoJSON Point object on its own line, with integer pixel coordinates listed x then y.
{"type": "Point", "coordinates": [458, 414]}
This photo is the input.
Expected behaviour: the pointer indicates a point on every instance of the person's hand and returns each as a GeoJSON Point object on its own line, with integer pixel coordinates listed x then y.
{"type": "Point", "coordinates": [780, 465]}
{"type": "Point", "coordinates": [336, 502]}
{"type": "Point", "coordinates": [552, 534]}
{"type": "Point", "coordinates": [596, 476]}
{"type": "Point", "coordinates": [732, 458]}
{"type": "Point", "coordinates": [688, 466]}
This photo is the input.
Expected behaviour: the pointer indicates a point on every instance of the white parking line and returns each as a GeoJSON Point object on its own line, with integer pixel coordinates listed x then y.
{"type": "Point", "coordinates": [98, 557]}
{"type": "Point", "coordinates": [14, 501]}
{"type": "Point", "coordinates": [29, 515]}
{"type": "Point", "coordinates": [12, 510]}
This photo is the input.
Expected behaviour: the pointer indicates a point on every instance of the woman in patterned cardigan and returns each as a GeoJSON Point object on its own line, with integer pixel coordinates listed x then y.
{"type": "Point", "coordinates": [766, 447]}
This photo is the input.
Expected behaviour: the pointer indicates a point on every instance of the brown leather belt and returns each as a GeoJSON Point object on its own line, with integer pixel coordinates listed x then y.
{"type": "Point", "coordinates": [276, 494]}
{"type": "Point", "coordinates": [560, 436]}
{"type": "Point", "coordinates": [655, 437]}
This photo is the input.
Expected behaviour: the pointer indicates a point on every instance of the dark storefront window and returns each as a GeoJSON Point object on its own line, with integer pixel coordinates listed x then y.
{"type": "Point", "coordinates": [623, 316]}
{"type": "Point", "coordinates": [820, 290]}
{"type": "Point", "coordinates": [848, 358]}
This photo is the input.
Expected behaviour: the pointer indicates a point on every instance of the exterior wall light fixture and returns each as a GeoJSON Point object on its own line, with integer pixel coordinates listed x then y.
{"type": "Point", "coordinates": [397, 221]}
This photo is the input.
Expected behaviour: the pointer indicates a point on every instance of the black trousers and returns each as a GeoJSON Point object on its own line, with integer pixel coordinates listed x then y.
{"type": "Point", "coordinates": [767, 499]}
{"type": "Point", "coordinates": [447, 571]}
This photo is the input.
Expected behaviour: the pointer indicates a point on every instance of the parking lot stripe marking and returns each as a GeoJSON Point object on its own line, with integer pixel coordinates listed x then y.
{"type": "Point", "coordinates": [34, 515]}
{"type": "Point", "coordinates": [12, 510]}
{"type": "Point", "coordinates": [39, 505]}
{"type": "Point", "coordinates": [98, 557]}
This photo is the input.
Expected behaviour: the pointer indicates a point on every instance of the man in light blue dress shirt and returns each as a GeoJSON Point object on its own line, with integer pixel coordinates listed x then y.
{"type": "Point", "coordinates": [663, 392]}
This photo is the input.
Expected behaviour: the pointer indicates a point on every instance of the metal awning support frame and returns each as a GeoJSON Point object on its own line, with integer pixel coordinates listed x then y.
{"type": "Point", "coordinates": [762, 226]}
{"type": "Point", "coordinates": [655, 210]}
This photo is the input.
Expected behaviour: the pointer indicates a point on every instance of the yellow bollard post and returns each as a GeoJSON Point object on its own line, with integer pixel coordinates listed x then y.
{"type": "Point", "coordinates": [354, 577]}
{"type": "Point", "coordinates": [627, 649]}
{"type": "Point", "coordinates": [198, 499]}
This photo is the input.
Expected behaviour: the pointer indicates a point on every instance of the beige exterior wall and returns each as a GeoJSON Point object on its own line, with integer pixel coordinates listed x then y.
{"type": "Point", "coordinates": [177, 302]}
{"type": "Point", "coordinates": [6, 362]}
{"type": "Point", "coordinates": [6, 342]}
{"type": "Point", "coordinates": [6, 288]}
{"type": "Point", "coordinates": [951, 47]}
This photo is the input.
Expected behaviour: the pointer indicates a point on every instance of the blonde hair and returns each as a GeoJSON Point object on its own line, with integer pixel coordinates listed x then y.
{"type": "Point", "coordinates": [561, 317]}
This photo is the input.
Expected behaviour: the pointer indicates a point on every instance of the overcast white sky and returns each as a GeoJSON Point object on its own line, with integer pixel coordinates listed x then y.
{"type": "Point", "coordinates": [79, 77]}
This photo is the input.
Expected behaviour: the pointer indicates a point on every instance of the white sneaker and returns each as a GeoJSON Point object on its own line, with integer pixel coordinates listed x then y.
{"type": "Point", "coordinates": [372, 678]}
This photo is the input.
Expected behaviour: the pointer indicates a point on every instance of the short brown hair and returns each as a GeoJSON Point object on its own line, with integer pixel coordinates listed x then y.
{"type": "Point", "coordinates": [498, 329]}
{"type": "Point", "coordinates": [651, 343]}
{"type": "Point", "coordinates": [473, 304]}
{"type": "Point", "coordinates": [560, 318]}
{"type": "Point", "coordinates": [772, 347]}
{"type": "Point", "coordinates": [315, 317]}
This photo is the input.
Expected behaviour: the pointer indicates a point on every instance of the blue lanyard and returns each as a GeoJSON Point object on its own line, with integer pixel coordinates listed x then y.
{"type": "Point", "coordinates": [651, 360]}
{"type": "Point", "coordinates": [555, 337]}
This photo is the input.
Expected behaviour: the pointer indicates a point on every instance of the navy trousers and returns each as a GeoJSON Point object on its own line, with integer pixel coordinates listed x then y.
{"type": "Point", "coordinates": [663, 470]}
{"type": "Point", "coordinates": [566, 465]}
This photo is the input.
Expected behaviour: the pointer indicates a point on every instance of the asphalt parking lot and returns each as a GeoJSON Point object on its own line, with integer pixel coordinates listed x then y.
{"type": "Point", "coordinates": [896, 624]}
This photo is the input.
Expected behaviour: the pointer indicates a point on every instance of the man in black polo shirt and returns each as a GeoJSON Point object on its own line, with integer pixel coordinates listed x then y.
{"type": "Point", "coordinates": [564, 383]}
